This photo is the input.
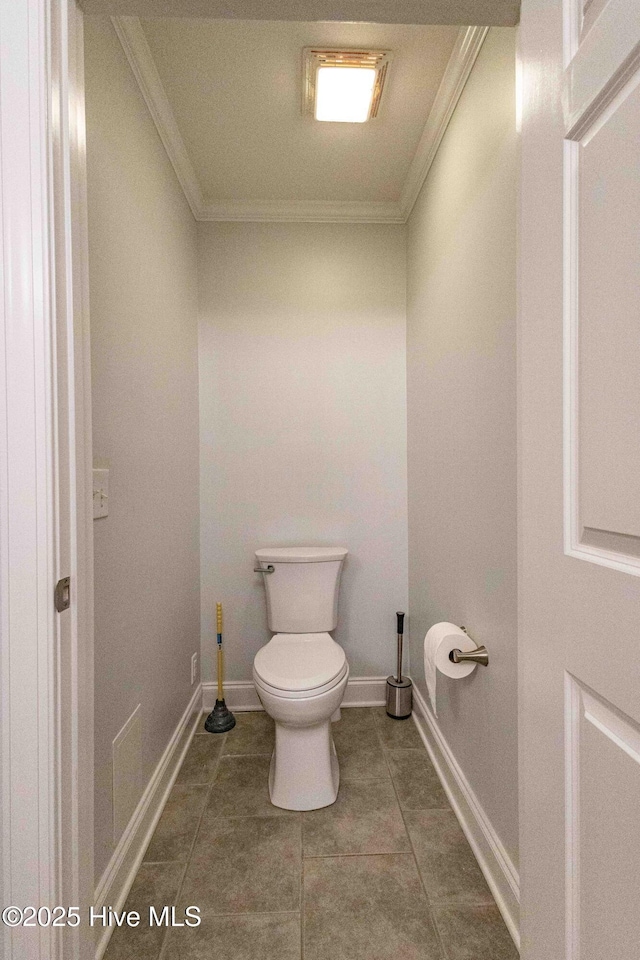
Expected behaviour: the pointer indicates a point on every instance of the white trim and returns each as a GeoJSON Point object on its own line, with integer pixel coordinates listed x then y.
{"type": "Point", "coordinates": [305, 211]}
{"type": "Point", "coordinates": [116, 881]}
{"type": "Point", "coordinates": [585, 110]}
{"type": "Point", "coordinates": [572, 707]}
{"type": "Point", "coordinates": [241, 695]}
{"type": "Point", "coordinates": [28, 563]}
{"type": "Point", "coordinates": [463, 57]}
{"type": "Point", "coordinates": [73, 469]}
{"type": "Point", "coordinates": [495, 863]}
{"type": "Point", "coordinates": [134, 43]}
{"type": "Point", "coordinates": [583, 703]}
{"type": "Point", "coordinates": [365, 692]}
{"type": "Point", "coordinates": [46, 697]}
{"type": "Point", "coordinates": [602, 64]}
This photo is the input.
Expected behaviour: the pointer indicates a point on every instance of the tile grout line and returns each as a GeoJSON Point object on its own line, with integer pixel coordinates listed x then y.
{"type": "Point", "coordinates": [387, 750]}
{"type": "Point", "coordinates": [443, 952]}
{"type": "Point", "coordinates": [258, 913]}
{"type": "Point", "coordinates": [165, 939]}
{"type": "Point", "coordinates": [422, 884]}
{"type": "Point", "coordinates": [210, 785]}
{"type": "Point", "coordinates": [433, 904]}
{"type": "Point", "coordinates": [340, 856]}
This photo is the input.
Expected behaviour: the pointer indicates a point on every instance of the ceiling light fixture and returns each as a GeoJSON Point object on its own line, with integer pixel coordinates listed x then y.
{"type": "Point", "coordinates": [344, 86]}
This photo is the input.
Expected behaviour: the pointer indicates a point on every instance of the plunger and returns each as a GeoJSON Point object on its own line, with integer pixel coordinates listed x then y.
{"type": "Point", "coordinates": [220, 719]}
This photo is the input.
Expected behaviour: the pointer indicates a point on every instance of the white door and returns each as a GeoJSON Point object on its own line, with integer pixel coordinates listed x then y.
{"type": "Point", "coordinates": [46, 716]}
{"type": "Point", "coordinates": [580, 479]}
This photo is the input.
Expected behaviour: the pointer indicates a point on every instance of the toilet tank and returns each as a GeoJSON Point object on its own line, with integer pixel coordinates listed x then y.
{"type": "Point", "coordinates": [302, 591]}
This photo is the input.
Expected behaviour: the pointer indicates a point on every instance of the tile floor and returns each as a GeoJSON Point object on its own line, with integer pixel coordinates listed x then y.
{"type": "Point", "coordinates": [383, 874]}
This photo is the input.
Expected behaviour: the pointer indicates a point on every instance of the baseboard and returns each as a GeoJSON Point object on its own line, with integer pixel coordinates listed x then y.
{"type": "Point", "coordinates": [241, 695]}
{"type": "Point", "coordinates": [116, 881]}
{"type": "Point", "coordinates": [366, 692]}
{"type": "Point", "coordinates": [495, 863]}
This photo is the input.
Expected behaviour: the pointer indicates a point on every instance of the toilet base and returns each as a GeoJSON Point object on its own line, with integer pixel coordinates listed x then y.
{"type": "Point", "coordinates": [304, 772]}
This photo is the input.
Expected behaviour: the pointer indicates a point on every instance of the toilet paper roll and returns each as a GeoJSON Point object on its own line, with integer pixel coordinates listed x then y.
{"type": "Point", "coordinates": [440, 640]}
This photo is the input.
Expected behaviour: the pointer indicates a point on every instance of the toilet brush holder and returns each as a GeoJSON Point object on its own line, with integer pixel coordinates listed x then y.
{"type": "Point", "coordinates": [399, 688]}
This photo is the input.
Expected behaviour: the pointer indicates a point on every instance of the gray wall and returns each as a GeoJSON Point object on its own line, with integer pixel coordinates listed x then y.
{"type": "Point", "coordinates": [461, 373]}
{"type": "Point", "coordinates": [303, 423]}
{"type": "Point", "coordinates": [142, 253]}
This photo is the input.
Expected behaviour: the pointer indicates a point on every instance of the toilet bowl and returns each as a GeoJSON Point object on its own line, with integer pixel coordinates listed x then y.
{"type": "Point", "coordinates": [304, 772]}
{"type": "Point", "coordinates": [301, 674]}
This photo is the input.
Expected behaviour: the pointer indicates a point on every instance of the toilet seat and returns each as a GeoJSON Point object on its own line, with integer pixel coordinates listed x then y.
{"type": "Point", "coordinates": [260, 684]}
{"type": "Point", "coordinates": [300, 664]}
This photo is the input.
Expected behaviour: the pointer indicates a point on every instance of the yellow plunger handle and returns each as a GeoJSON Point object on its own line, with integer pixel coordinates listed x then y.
{"type": "Point", "coordinates": [220, 693]}
{"type": "Point", "coordinates": [220, 658]}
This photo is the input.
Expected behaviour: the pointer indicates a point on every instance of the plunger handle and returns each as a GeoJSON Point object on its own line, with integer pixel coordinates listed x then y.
{"type": "Point", "coordinates": [220, 661]}
{"type": "Point", "coordinates": [400, 617]}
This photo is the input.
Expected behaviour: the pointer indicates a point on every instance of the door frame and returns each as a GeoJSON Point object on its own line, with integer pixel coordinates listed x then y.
{"type": "Point", "coordinates": [45, 478]}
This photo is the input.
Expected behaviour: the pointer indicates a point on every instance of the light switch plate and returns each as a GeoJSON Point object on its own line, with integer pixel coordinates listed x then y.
{"type": "Point", "coordinates": [100, 493]}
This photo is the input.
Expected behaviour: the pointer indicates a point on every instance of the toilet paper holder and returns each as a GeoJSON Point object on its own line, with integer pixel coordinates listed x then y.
{"type": "Point", "coordinates": [479, 655]}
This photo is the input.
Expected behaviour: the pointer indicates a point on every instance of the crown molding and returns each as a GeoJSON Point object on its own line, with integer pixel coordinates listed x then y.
{"type": "Point", "coordinates": [310, 211]}
{"type": "Point", "coordinates": [463, 57]}
{"type": "Point", "coordinates": [134, 43]}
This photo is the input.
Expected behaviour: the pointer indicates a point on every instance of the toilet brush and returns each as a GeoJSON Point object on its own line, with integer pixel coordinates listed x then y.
{"type": "Point", "coordinates": [220, 719]}
{"type": "Point", "coordinates": [399, 688]}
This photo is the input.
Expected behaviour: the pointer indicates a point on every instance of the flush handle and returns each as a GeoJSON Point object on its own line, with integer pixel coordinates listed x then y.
{"type": "Point", "coordinates": [268, 569]}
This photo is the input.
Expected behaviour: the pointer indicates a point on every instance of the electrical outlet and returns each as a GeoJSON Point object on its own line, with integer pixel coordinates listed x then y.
{"type": "Point", "coordinates": [194, 668]}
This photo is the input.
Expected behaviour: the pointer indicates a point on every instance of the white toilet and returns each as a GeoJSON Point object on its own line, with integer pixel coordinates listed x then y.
{"type": "Point", "coordinates": [301, 674]}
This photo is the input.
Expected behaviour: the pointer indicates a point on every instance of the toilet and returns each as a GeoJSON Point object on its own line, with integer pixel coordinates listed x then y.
{"type": "Point", "coordinates": [301, 675]}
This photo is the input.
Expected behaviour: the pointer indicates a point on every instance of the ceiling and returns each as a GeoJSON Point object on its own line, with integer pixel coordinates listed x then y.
{"type": "Point", "coordinates": [235, 89]}
{"type": "Point", "coordinates": [226, 96]}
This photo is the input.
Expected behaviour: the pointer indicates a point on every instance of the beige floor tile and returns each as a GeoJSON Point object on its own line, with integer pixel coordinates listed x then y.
{"type": "Point", "coordinates": [241, 789]}
{"type": "Point", "coordinates": [267, 936]}
{"type": "Point", "coordinates": [254, 733]}
{"type": "Point", "coordinates": [366, 908]}
{"type": "Point", "coordinates": [474, 933]}
{"type": "Point", "coordinates": [397, 734]}
{"type": "Point", "coordinates": [245, 865]}
{"type": "Point", "coordinates": [177, 826]}
{"type": "Point", "coordinates": [363, 899]}
{"type": "Point", "coordinates": [416, 781]}
{"type": "Point", "coordinates": [365, 818]}
{"type": "Point", "coordinates": [156, 885]}
{"type": "Point", "coordinates": [199, 765]}
{"type": "Point", "coordinates": [359, 749]}
{"type": "Point", "coordinates": [449, 870]}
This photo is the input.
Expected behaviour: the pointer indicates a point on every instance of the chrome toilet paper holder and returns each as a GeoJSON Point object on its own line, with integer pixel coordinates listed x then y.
{"type": "Point", "coordinates": [479, 655]}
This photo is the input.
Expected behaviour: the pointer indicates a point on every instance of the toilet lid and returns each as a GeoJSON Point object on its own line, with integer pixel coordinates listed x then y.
{"type": "Point", "coordinates": [299, 661]}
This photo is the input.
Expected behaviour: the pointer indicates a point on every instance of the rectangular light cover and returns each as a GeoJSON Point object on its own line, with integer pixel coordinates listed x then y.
{"type": "Point", "coordinates": [343, 86]}
{"type": "Point", "coordinates": [344, 94]}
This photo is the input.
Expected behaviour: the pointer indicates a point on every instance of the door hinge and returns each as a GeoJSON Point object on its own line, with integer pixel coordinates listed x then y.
{"type": "Point", "coordinates": [62, 594]}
